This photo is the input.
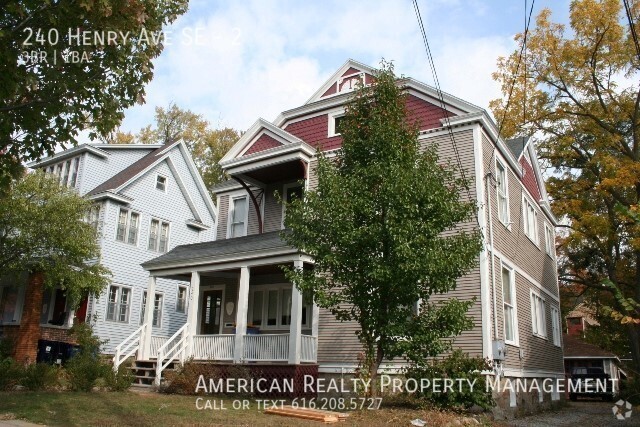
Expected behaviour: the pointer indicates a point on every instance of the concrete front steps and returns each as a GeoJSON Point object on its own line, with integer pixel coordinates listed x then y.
{"type": "Point", "coordinates": [144, 372]}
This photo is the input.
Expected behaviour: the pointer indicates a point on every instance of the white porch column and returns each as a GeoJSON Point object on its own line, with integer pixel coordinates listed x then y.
{"type": "Point", "coordinates": [192, 310]}
{"type": "Point", "coordinates": [241, 314]}
{"type": "Point", "coordinates": [295, 329]}
{"type": "Point", "coordinates": [69, 320]}
{"type": "Point", "coordinates": [145, 350]}
{"type": "Point", "coordinates": [315, 320]}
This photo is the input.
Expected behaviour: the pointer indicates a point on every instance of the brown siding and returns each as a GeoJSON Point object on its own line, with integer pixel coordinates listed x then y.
{"type": "Point", "coordinates": [223, 217]}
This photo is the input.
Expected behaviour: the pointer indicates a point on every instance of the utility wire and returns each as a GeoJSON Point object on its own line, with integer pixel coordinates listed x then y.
{"type": "Point", "coordinates": [632, 27]}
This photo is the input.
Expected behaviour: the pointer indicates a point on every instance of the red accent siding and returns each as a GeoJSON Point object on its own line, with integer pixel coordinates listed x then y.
{"type": "Point", "coordinates": [264, 142]}
{"type": "Point", "coordinates": [368, 79]}
{"type": "Point", "coordinates": [314, 132]}
{"type": "Point", "coordinates": [424, 113]}
{"type": "Point", "coordinates": [351, 70]}
{"type": "Point", "coordinates": [330, 91]}
{"type": "Point", "coordinates": [529, 179]}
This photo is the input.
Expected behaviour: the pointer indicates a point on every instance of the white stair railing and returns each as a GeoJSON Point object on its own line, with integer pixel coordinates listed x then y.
{"type": "Point", "coordinates": [128, 347]}
{"type": "Point", "coordinates": [175, 348]}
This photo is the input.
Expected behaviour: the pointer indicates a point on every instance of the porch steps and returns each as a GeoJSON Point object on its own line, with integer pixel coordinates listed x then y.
{"type": "Point", "coordinates": [144, 372]}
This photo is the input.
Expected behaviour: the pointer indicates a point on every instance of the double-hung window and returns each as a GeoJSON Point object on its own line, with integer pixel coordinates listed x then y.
{"type": "Point", "coordinates": [238, 217]}
{"type": "Point", "coordinates": [270, 307]}
{"type": "Point", "coordinates": [157, 309]}
{"type": "Point", "coordinates": [509, 304]}
{"type": "Point", "coordinates": [128, 225]}
{"type": "Point", "coordinates": [530, 219]}
{"type": "Point", "coordinates": [502, 193]}
{"type": "Point", "coordinates": [549, 240]}
{"type": "Point", "coordinates": [74, 172]}
{"type": "Point", "coordinates": [181, 300]}
{"type": "Point", "coordinates": [538, 315]}
{"type": "Point", "coordinates": [158, 235]}
{"type": "Point", "coordinates": [161, 183]}
{"type": "Point", "coordinates": [93, 216]}
{"type": "Point", "coordinates": [118, 303]}
{"type": "Point", "coordinates": [555, 326]}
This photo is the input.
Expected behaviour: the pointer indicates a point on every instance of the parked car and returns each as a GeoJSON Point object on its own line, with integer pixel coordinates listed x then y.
{"type": "Point", "coordinates": [590, 382]}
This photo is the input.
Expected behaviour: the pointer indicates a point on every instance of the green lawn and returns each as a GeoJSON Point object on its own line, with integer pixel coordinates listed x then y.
{"type": "Point", "coordinates": [151, 409]}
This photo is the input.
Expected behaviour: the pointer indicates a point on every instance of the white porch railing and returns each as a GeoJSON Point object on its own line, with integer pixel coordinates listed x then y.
{"type": "Point", "coordinates": [213, 347]}
{"type": "Point", "coordinates": [128, 347]}
{"type": "Point", "coordinates": [175, 348]}
{"type": "Point", "coordinates": [266, 347]}
{"type": "Point", "coordinates": [156, 343]}
{"type": "Point", "coordinates": [308, 348]}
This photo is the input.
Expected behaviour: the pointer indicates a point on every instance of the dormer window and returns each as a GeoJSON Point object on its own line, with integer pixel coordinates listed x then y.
{"type": "Point", "coordinates": [161, 183]}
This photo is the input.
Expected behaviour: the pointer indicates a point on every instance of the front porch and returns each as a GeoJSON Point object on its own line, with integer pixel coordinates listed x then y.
{"type": "Point", "coordinates": [238, 311]}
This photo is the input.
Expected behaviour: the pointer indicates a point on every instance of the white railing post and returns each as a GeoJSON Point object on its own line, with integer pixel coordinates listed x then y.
{"type": "Point", "coordinates": [145, 345]}
{"type": "Point", "coordinates": [194, 303]}
{"type": "Point", "coordinates": [295, 329]}
{"type": "Point", "coordinates": [241, 314]}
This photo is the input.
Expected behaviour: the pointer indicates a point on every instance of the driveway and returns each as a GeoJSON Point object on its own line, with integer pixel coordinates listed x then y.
{"type": "Point", "coordinates": [583, 413]}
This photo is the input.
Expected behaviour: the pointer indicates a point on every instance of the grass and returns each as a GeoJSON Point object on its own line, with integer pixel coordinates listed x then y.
{"type": "Point", "coordinates": [152, 409]}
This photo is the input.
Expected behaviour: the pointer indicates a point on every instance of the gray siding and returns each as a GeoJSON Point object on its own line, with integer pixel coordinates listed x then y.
{"type": "Point", "coordinates": [94, 170]}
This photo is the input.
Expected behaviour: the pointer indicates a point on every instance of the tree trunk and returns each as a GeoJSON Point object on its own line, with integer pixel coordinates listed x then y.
{"type": "Point", "coordinates": [633, 330]}
{"type": "Point", "coordinates": [373, 369]}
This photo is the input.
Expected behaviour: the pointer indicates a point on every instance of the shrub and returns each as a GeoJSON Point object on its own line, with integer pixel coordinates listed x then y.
{"type": "Point", "coordinates": [6, 348]}
{"type": "Point", "coordinates": [85, 367]}
{"type": "Point", "coordinates": [456, 366]}
{"type": "Point", "coordinates": [118, 381]}
{"type": "Point", "coordinates": [184, 379]}
{"type": "Point", "coordinates": [630, 390]}
{"type": "Point", "coordinates": [39, 376]}
{"type": "Point", "coordinates": [10, 374]}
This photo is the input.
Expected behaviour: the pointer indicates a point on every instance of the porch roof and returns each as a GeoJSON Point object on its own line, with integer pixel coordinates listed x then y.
{"type": "Point", "coordinates": [221, 251]}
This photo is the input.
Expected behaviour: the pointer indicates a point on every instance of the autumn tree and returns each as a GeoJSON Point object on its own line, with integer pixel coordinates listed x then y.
{"type": "Point", "coordinates": [578, 92]}
{"type": "Point", "coordinates": [42, 229]}
{"type": "Point", "coordinates": [46, 96]}
{"type": "Point", "coordinates": [207, 145]}
{"type": "Point", "coordinates": [374, 226]}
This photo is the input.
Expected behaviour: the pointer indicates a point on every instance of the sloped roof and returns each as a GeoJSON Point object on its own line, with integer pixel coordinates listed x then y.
{"type": "Point", "coordinates": [574, 347]}
{"type": "Point", "coordinates": [132, 170]}
{"type": "Point", "coordinates": [516, 145]}
{"type": "Point", "coordinates": [219, 249]}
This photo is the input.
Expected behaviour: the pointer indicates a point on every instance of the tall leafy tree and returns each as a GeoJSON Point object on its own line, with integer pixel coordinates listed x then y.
{"type": "Point", "coordinates": [207, 145]}
{"type": "Point", "coordinates": [64, 83]}
{"type": "Point", "coordinates": [578, 92]}
{"type": "Point", "coordinates": [42, 229]}
{"type": "Point", "coordinates": [381, 226]}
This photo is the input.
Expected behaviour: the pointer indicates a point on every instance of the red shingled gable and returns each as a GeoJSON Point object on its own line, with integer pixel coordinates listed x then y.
{"type": "Point", "coordinates": [529, 179]}
{"type": "Point", "coordinates": [426, 114]}
{"type": "Point", "coordinates": [264, 142]}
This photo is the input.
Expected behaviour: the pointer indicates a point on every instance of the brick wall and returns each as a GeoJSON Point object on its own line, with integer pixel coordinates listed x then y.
{"type": "Point", "coordinates": [26, 340]}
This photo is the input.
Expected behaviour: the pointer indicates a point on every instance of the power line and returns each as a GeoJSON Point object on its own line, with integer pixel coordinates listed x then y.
{"type": "Point", "coordinates": [634, 35]}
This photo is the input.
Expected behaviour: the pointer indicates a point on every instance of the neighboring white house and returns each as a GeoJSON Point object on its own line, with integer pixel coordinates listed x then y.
{"type": "Point", "coordinates": [148, 199]}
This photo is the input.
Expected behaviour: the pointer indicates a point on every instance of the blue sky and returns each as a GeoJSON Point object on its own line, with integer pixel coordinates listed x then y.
{"type": "Point", "coordinates": [258, 58]}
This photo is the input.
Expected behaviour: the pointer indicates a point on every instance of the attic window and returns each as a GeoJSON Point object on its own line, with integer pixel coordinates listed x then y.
{"type": "Point", "coordinates": [161, 183]}
{"type": "Point", "coordinates": [335, 121]}
{"type": "Point", "coordinates": [350, 82]}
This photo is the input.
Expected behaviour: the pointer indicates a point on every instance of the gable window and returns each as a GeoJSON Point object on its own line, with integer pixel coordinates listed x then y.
{"type": "Point", "coordinates": [291, 193]}
{"type": "Point", "coordinates": [238, 217]}
{"type": "Point", "coordinates": [270, 307]}
{"type": "Point", "coordinates": [549, 240]}
{"type": "Point", "coordinates": [509, 302]}
{"type": "Point", "coordinates": [118, 303]}
{"type": "Point", "coordinates": [530, 220]}
{"type": "Point", "coordinates": [502, 190]}
{"type": "Point", "coordinates": [350, 82]}
{"type": "Point", "coordinates": [59, 171]}
{"type": "Point", "coordinates": [67, 170]}
{"type": "Point", "coordinates": [538, 315]}
{"type": "Point", "coordinates": [157, 309]}
{"type": "Point", "coordinates": [128, 224]}
{"type": "Point", "coordinates": [93, 216]}
{"type": "Point", "coordinates": [158, 235]}
{"type": "Point", "coordinates": [161, 183]}
{"type": "Point", "coordinates": [181, 300]}
{"type": "Point", "coordinates": [335, 122]}
{"type": "Point", "coordinates": [555, 325]}
{"type": "Point", "coordinates": [74, 172]}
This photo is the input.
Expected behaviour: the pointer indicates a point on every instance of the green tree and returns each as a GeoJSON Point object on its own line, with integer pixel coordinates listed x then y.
{"type": "Point", "coordinates": [44, 100]}
{"type": "Point", "coordinates": [381, 227]}
{"type": "Point", "coordinates": [207, 145]}
{"type": "Point", "coordinates": [42, 229]}
{"type": "Point", "coordinates": [578, 92]}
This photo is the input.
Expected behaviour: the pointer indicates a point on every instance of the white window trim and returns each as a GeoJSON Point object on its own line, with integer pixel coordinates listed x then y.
{"type": "Point", "coordinates": [106, 311]}
{"type": "Point", "coordinates": [17, 314]}
{"type": "Point", "coordinates": [186, 299]}
{"type": "Point", "coordinates": [160, 222]}
{"type": "Point", "coordinates": [500, 163]}
{"type": "Point", "coordinates": [278, 326]}
{"type": "Point", "coordinates": [230, 208]}
{"type": "Point", "coordinates": [512, 284]}
{"type": "Point", "coordinates": [555, 326]}
{"type": "Point", "coordinates": [534, 331]}
{"type": "Point", "coordinates": [127, 225]}
{"type": "Point", "coordinates": [549, 241]}
{"type": "Point", "coordinates": [166, 182]}
{"type": "Point", "coordinates": [285, 188]}
{"type": "Point", "coordinates": [536, 233]}
{"type": "Point", "coordinates": [199, 300]}
{"type": "Point", "coordinates": [331, 131]}
{"type": "Point", "coordinates": [142, 313]}
{"type": "Point", "coordinates": [341, 79]}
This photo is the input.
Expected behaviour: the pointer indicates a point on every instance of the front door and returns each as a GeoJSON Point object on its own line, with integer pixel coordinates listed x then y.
{"type": "Point", "coordinates": [211, 312]}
